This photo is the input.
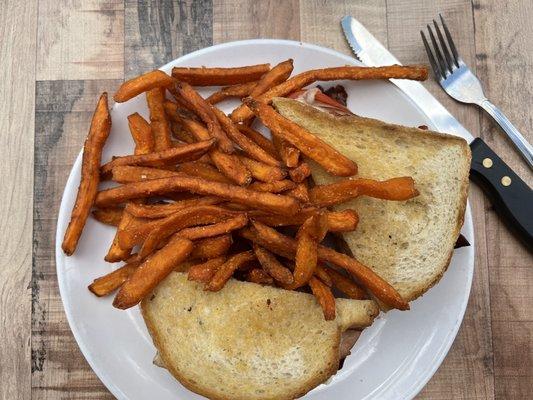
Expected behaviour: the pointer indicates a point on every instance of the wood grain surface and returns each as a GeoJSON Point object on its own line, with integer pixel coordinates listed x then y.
{"type": "Point", "coordinates": [59, 55]}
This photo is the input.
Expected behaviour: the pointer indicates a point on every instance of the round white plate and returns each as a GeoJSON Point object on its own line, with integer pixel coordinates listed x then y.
{"type": "Point", "coordinates": [393, 359]}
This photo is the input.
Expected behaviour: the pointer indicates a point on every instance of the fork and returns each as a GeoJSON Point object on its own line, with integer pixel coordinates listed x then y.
{"type": "Point", "coordinates": [460, 83]}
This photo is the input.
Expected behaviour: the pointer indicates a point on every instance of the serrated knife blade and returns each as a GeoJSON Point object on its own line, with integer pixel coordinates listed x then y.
{"type": "Point", "coordinates": [371, 52]}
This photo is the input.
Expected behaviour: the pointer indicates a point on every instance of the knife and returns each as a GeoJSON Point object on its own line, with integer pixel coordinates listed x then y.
{"type": "Point", "coordinates": [511, 197]}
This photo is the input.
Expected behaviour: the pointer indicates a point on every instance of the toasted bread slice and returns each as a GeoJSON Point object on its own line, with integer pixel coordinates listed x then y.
{"type": "Point", "coordinates": [410, 243]}
{"type": "Point", "coordinates": [247, 341]}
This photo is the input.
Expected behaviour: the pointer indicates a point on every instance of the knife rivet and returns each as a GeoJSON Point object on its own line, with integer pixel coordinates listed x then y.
{"type": "Point", "coordinates": [487, 162]}
{"type": "Point", "coordinates": [506, 181]}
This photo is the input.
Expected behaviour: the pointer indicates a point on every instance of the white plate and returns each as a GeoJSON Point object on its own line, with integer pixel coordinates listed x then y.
{"type": "Point", "coordinates": [393, 359]}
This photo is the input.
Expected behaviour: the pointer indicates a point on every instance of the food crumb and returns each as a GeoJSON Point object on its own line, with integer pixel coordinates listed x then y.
{"type": "Point", "coordinates": [268, 302]}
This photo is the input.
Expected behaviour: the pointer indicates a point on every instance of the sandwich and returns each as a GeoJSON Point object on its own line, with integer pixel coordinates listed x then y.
{"type": "Point", "coordinates": [409, 244]}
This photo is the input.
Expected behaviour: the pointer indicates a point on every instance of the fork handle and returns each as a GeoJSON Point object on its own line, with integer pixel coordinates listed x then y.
{"type": "Point", "coordinates": [511, 197]}
{"type": "Point", "coordinates": [516, 137]}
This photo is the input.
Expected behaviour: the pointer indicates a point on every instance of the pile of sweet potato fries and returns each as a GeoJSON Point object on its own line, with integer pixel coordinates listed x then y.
{"type": "Point", "coordinates": [206, 193]}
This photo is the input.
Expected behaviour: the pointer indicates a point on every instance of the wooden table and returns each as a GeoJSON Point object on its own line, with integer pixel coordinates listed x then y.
{"type": "Point", "coordinates": [59, 55]}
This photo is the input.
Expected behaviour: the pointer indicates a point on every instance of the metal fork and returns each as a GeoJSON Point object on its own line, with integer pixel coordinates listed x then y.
{"type": "Point", "coordinates": [460, 83]}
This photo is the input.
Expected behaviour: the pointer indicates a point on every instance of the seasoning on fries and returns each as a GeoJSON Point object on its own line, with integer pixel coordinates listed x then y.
{"type": "Point", "coordinates": [219, 76]}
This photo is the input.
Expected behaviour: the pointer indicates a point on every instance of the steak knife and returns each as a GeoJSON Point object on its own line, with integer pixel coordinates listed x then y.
{"type": "Point", "coordinates": [511, 197]}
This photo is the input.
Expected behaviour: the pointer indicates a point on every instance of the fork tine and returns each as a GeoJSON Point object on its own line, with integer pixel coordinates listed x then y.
{"type": "Point", "coordinates": [445, 52]}
{"type": "Point", "coordinates": [438, 54]}
{"type": "Point", "coordinates": [450, 41]}
{"type": "Point", "coordinates": [432, 61]}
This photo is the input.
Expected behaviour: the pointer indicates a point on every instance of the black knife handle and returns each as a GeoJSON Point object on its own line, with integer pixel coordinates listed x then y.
{"type": "Point", "coordinates": [511, 197]}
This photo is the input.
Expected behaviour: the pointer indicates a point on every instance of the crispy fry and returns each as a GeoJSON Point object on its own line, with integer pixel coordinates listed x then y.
{"type": "Point", "coordinates": [264, 201]}
{"type": "Point", "coordinates": [300, 173]}
{"type": "Point", "coordinates": [228, 164]}
{"type": "Point", "coordinates": [247, 145]}
{"type": "Point", "coordinates": [203, 170]}
{"type": "Point", "coordinates": [154, 211]}
{"type": "Point", "coordinates": [220, 228]}
{"type": "Point", "coordinates": [142, 83]}
{"type": "Point", "coordinates": [273, 187]}
{"type": "Point", "coordinates": [324, 297]}
{"type": "Point", "coordinates": [272, 266]}
{"type": "Point", "coordinates": [280, 73]}
{"type": "Point", "coordinates": [313, 147]}
{"type": "Point", "coordinates": [204, 272]}
{"type": "Point", "coordinates": [338, 221]}
{"type": "Point", "coordinates": [117, 253]}
{"type": "Point", "coordinates": [263, 172]}
{"type": "Point", "coordinates": [278, 243]}
{"type": "Point", "coordinates": [227, 269]}
{"type": "Point", "coordinates": [259, 276]}
{"type": "Point", "coordinates": [181, 133]}
{"type": "Point", "coordinates": [107, 284]}
{"type": "Point", "coordinates": [90, 177]}
{"type": "Point", "coordinates": [109, 216]}
{"type": "Point", "coordinates": [219, 76]}
{"type": "Point", "coordinates": [161, 158]}
{"type": "Point", "coordinates": [414, 72]}
{"type": "Point", "coordinates": [136, 232]}
{"type": "Point", "coordinates": [181, 219]}
{"type": "Point", "coordinates": [399, 189]}
{"type": "Point", "coordinates": [158, 119]}
{"type": "Point", "coordinates": [300, 192]}
{"type": "Point", "coordinates": [346, 285]}
{"type": "Point", "coordinates": [287, 152]}
{"type": "Point", "coordinates": [129, 174]}
{"type": "Point", "coordinates": [152, 271]}
{"type": "Point", "coordinates": [239, 91]}
{"type": "Point", "coordinates": [316, 226]}
{"type": "Point", "coordinates": [204, 110]}
{"type": "Point", "coordinates": [141, 132]}
{"type": "Point", "coordinates": [259, 139]}
{"type": "Point", "coordinates": [206, 249]}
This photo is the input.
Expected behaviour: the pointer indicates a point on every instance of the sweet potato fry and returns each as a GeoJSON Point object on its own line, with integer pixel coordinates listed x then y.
{"type": "Point", "coordinates": [300, 173]}
{"type": "Point", "coordinates": [316, 226]}
{"type": "Point", "coordinates": [248, 146]}
{"type": "Point", "coordinates": [272, 266]}
{"type": "Point", "coordinates": [338, 221]}
{"type": "Point", "coordinates": [300, 192]}
{"type": "Point", "coordinates": [142, 83]}
{"type": "Point", "coordinates": [117, 253]}
{"type": "Point", "coordinates": [109, 216]}
{"type": "Point", "coordinates": [398, 189]}
{"type": "Point", "coordinates": [158, 119]}
{"type": "Point", "coordinates": [129, 174]}
{"type": "Point", "coordinates": [226, 270]}
{"type": "Point", "coordinates": [90, 177]}
{"type": "Point", "coordinates": [346, 285]}
{"type": "Point", "coordinates": [280, 73]}
{"type": "Point", "coordinates": [219, 76]}
{"type": "Point", "coordinates": [154, 211]}
{"type": "Point", "coordinates": [278, 243]}
{"type": "Point", "coordinates": [180, 133]}
{"type": "Point", "coordinates": [204, 272]}
{"type": "Point", "coordinates": [259, 276]}
{"type": "Point", "coordinates": [203, 170]}
{"type": "Point", "coordinates": [261, 171]}
{"type": "Point", "coordinates": [414, 72]}
{"type": "Point", "coordinates": [136, 232]}
{"type": "Point", "coordinates": [264, 201]}
{"type": "Point", "coordinates": [204, 110]}
{"type": "Point", "coordinates": [313, 147]}
{"type": "Point", "coordinates": [161, 158]}
{"type": "Point", "coordinates": [141, 131]}
{"type": "Point", "coordinates": [205, 249]}
{"type": "Point", "coordinates": [235, 91]}
{"type": "Point", "coordinates": [324, 296]}
{"type": "Point", "coordinates": [183, 219]}
{"type": "Point", "coordinates": [228, 164]}
{"type": "Point", "coordinates": [220, 228]}
{"type": "Point", "coordinates": [287, 152]}
{"type": "Point", "coordinates": [107, 284]}
{"type": "Point", "coordinates": [152, 271]}
{"type": "Point", "coordinates": [273, 187]}
{"type": "Point", "coordinates": [259, 139]}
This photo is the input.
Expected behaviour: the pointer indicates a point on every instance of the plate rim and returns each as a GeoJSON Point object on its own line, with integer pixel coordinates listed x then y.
{"type": "Point", "coordinates": [60, 256]}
